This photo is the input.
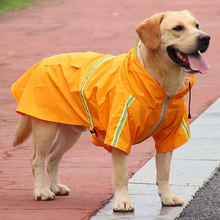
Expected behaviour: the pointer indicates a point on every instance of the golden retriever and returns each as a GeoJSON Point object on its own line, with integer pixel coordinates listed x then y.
{"type": "Point", "coordinates": [168, 50]}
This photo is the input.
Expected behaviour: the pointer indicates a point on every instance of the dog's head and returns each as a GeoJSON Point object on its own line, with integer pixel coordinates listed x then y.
{"type": "Point", "coordinates": [178, 37]}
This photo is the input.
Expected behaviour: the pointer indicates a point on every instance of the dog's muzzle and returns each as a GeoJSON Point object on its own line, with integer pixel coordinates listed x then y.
{"type": "Point", "coordinates": [192, 62]}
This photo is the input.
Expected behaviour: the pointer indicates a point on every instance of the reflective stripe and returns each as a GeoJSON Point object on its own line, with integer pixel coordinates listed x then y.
{"type": "Point", "coordinates": [122, 121]}
{"type": "Point", "coordinates": [81, 90]}
{"type": "Point", "coordinates": [185, 128]}
{"type": "Point", "coordinates": [137, 47]}
{"type": "Point", "coordinates": [159, 122]}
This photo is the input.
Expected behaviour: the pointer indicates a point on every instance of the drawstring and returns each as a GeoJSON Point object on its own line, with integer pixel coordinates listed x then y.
{"type": "Point", "coordinates": [189, 114]}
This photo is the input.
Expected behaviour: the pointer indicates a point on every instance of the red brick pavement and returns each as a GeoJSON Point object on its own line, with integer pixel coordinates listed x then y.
{"type": "Point", "coordinates": [52, 27]}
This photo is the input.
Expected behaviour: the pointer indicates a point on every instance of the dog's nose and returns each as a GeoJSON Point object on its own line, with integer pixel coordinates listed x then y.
{"type": "Point", "coordinates": [204, 38]}
{"type": "Point", "coordinates": [203, 42]}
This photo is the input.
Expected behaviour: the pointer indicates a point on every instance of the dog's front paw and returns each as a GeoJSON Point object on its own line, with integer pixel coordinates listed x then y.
{"type": "Point", "coordinates": [45, 194]}
{"type": "Point", "coordinates": [59, 189]}
{"type": "Point", "coordinates": [123, 206]}
{"type": "Point", "coordinates": [171, 200]}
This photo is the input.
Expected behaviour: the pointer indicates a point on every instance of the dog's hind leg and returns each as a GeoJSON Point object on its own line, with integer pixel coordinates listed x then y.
{"type": "Point", "coordinates": [67, 136]}
{"type": "Point", "coordinates": [44, 133]}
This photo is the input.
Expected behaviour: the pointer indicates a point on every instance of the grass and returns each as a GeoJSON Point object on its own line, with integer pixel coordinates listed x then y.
{"type": "Point", "coordinates": [9, 5]}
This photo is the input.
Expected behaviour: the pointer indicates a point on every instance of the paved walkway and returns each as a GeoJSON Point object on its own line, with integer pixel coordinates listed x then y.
{"type": "Point", "coordinates": [53, 27]}
{"type": "Point", "coordinates": [191, 167]}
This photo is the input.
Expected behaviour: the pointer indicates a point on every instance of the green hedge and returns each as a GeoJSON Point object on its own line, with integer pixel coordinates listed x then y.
{"type": "Point", "coordinates": [8, 5]}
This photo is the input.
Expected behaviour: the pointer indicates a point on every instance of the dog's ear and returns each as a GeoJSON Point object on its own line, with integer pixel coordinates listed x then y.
{"type": "Point", "coordinates": [149, 31]}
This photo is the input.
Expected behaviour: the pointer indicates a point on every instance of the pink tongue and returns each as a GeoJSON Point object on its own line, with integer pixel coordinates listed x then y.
{"type": "Point", "coordinates": [198, 63]}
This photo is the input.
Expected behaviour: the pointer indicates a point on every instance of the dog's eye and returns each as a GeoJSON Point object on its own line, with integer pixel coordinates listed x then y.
{"type": "Point", "coordinates": [178, 28]}
{"type": "Point", "coordinates": [197, 26]}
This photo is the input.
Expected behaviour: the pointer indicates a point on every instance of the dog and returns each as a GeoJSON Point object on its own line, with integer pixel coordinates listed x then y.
{"type": "Point", "coordinates": [123, 100]}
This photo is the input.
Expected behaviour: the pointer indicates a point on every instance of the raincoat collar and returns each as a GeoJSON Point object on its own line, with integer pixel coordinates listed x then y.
{"type": "Point", "coordinates": [142, 85]}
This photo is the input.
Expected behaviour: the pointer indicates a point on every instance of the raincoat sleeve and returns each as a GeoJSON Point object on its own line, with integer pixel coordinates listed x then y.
{"type": "Point", "coordinates": [118, 133]}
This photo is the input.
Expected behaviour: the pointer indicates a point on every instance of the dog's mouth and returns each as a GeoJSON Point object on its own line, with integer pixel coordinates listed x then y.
{"type": "Point", "coordinates": [191, 63]}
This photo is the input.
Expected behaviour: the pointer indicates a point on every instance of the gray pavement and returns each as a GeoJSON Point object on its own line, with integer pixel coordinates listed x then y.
{"type": "Point", "coordinates": [193, 165]}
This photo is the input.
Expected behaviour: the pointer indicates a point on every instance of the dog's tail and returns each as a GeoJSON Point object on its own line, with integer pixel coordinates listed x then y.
{"type": "Point", "coordinates": [23, 130]}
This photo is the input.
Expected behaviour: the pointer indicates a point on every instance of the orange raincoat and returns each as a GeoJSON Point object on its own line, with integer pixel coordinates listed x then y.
{"type": "Point", "coordinates": [115, 96]}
